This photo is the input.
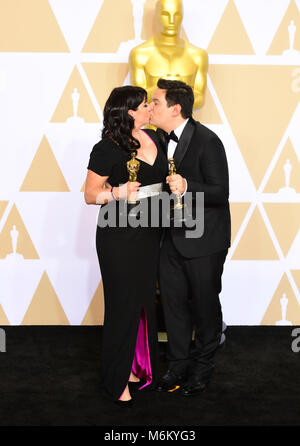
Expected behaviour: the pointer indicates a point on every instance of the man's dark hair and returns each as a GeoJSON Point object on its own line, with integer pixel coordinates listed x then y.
{"type": "Point", "coordinates": [178, 92]}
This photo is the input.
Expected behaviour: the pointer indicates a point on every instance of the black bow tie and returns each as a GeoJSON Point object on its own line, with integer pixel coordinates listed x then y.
{"type": "Point", "coordinates": [172, 136]}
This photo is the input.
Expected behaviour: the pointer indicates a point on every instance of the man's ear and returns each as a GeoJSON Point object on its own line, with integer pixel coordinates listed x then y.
{"type": "Point", "coordinates": [176, 110]}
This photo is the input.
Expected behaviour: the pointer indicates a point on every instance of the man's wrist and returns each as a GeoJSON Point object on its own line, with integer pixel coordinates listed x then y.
{"type": "Point", "coordinates": [186, 185]}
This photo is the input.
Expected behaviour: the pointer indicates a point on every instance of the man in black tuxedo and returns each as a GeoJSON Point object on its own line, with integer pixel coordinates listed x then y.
{"type": "Point", "coordinates": [191, 268]}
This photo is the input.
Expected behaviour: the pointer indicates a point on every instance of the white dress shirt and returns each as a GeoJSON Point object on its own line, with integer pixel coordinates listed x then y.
{"type": "Point", "coordinates": [173, 144]}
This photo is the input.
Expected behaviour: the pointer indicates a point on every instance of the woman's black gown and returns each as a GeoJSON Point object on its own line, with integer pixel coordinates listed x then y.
{"type": "Point", "coordinates": [128, 259]}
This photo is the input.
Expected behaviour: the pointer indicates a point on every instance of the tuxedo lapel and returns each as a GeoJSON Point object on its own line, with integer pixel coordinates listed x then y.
{"type": "Point", "coordinates": [184, 142]}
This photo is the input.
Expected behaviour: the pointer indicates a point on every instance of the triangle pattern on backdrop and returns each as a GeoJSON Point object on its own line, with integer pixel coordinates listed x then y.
{"type": "Point", "coordinates": [44, 173]}
{"type": "Point", "coordinates": [149, 27]}
{"type": "Point", "coordinates": [76, 19]}
{"type": "Point", "coordinates": [255, 243]}
{"type": "Point", "coordinates": [30, 26]}
{"type": "Point", "coordinates": [45, 298]}
{"type": "Point", "coordinates": [296, 277]}
{"type": "Point", "coordinates": [281, 41]}
{"type": "Point", "coordinates": [230, 36]}
{"type": "Point", "coordinates": [208, 113]}
{"type": "Point", "coordinates": [285, 220]}
{"type": "Point", "coordinates": [238, 212]}
{"type": "Point", "coordinates": [110, 22]}
{"type": "Point", "coordinates": [3, 205]}
{"type": "Point", "coordinates": [95, 311]}
{"type": "Point", "coordinates": [3, 317]}
{"type": "Point", "coordinates": [85, 108]}
{"type": "Point", "coordinates": [277, 178]}
{"type": "Point", "coordinates": [257, 122]}
{"type": "Point", "coordinates": [103, 77]}
{"type": "Point", "coordinates": [14, 237]}
{"type": "Point", "coordinates": [283, 306]}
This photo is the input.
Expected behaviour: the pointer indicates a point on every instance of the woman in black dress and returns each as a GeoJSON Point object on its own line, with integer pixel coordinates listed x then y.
{"type": "Point", "coordinates": [128, 256]}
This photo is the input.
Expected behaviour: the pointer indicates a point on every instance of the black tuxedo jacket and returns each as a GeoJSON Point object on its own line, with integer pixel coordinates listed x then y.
{"type": "Point", "coordinates": [200, 158]}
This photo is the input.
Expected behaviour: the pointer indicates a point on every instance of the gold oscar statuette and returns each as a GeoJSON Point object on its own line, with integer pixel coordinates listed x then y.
{"type": "Point", "coordinates": [166, 55]}
{"type": "Point", "coordinates": [172, 171]}
{"type": "Point", "coordinates": [133, 167]}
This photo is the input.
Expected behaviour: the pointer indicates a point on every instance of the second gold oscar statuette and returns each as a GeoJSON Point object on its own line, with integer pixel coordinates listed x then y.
{"type": "Point", "coordinates": [133, 167]}
{"type": "Point", "coordinates": [172, 171]}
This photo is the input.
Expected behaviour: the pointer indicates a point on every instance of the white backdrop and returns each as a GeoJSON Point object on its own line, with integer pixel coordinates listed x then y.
{"type": "Point", "coordinates": [49, 271]}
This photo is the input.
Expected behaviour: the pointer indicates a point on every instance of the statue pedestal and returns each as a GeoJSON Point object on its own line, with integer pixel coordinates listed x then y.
{"type": "Point", "coordinates": [291, 53]}
{"type": "Point", "coordinates": [75, 120]}
{"type": "Point", "coordinates": [14, 257]}
{"type": "Point", "coordinates": [282, 322]}
{"type": "Point", "coordinates": [287, 192]}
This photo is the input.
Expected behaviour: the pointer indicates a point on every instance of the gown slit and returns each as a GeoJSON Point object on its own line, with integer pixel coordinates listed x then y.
{"type": "Point", "coordinates": [141, 364]}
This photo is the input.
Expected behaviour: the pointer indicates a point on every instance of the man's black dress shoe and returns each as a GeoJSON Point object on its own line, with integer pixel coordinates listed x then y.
{"type": "Point", "coordinates": [193, 386]}
{"type": "Point", "coordinates": [170, 382]}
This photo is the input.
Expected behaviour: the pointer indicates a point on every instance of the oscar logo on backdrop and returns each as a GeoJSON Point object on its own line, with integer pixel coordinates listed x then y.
{"type": "Point", "coordinates": [14, 255]}
{"type": "Point", "coordinates": [75, 119]}
{"type": "Point", "coordinates": [169, 56]}
{"type": "Point", "coordinates": [138, 8]}
{"type": "Point", "coordinates": [283, 303]}
{"type": "Point", "coordinates": [292, 31]}
{"type": "Point", "coordinates": [287, 191]}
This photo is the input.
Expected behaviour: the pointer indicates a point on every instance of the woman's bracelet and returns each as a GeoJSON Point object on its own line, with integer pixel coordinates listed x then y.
{"type": "Point", "coordinates": [99, 198]}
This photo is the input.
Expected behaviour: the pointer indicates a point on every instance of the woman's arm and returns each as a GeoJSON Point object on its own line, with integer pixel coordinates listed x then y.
{"type": "Point", "coordinates": [96, 191]}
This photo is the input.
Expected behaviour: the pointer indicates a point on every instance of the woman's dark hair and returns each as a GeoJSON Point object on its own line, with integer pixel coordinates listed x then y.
{"type": "Point", "coordinates": [178, 92]}
{"type": "Point", "coordinates": [117, 123]}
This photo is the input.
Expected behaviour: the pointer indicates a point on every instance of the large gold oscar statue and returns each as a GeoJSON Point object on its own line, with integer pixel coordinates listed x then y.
{"type": "Point", "coordinates": [168, 56]}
